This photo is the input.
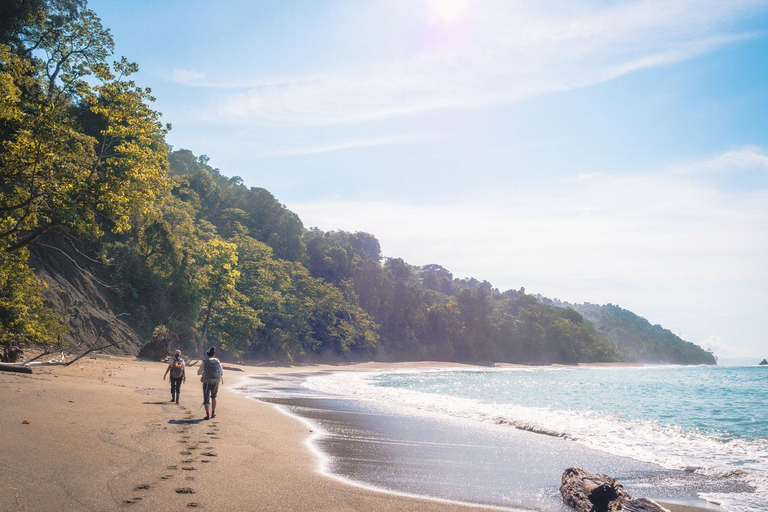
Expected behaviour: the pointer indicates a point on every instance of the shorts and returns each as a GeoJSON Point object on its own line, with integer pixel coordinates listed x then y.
{"type": "Point", "coordinates": [210, 390]}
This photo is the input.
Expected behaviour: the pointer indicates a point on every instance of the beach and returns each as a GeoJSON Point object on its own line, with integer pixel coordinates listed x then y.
{"type": "Point", "coordinates": [102, 435]}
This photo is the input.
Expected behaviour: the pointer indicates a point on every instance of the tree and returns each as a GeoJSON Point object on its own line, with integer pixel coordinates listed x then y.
{"type": "Point", "coordinates": [217, 277]}
{"type": "Point", "coordinates": [80, 148]}
{"type": "Point", "coordinates": [81, 151]}
{"type": "Point", "coordinates": [23, 315]}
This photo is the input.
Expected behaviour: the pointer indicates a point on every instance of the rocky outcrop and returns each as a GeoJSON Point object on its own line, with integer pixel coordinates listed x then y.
{"type": "Point", "coordinates": [590, 492]}
{"type": "Point", "coordinates": [86, 306]}
{"type": "Point", "coordinates": [763, 363]}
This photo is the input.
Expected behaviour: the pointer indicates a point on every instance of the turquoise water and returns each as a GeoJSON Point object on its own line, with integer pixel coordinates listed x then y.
{"type": "Point", "coordinates": [708, 420]}
{"type": "Point", "coordinates": [723, 402]}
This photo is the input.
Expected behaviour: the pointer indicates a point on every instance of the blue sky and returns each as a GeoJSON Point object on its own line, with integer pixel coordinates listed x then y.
{"type": "Point", "coordinates": [590, 151]}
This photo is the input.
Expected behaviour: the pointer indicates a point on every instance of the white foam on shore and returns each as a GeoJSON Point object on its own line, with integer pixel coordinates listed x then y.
{"type": "Point", "coordinates": [671, 447]}
{"type": "Point", "coordinates": [324, 462]}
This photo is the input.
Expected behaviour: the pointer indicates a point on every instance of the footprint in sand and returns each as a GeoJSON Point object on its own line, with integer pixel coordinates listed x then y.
{"type": "Point", "coordinates": [189, 468]}
{"type": "Point", "coordinates": [132, 501]}
{"type": "Point", "coordinates": [192, 504]}
{"type": "Point", "coordinates": [185, 490]}
{"type": "Point", "coordinates": [185, 453]}
{"type": "Point", "coordinates": [208, 454]}
{"type": "Point", "coordinates": [172, 467]}
{"type": "Point", "coordinates": [166, 477]}
{"type": "Point", "coordinates": [142, 487]}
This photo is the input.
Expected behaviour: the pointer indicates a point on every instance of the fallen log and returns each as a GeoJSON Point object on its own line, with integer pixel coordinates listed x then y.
{"type": "Point", "coordinates": [590, 492]}
{"type": "Point", "coordinates": [16, 368]}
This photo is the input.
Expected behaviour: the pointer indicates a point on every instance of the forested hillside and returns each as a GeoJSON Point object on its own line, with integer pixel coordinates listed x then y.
{"type": "Point", "coordinates": [640, 341]}
{"type": "Point", "coordinates": [193, 257]}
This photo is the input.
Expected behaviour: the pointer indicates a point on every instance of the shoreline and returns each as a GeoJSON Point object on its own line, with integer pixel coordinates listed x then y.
{"type": "Point", "coordinates": [368, 446]}
{"type": "Point", "coordinates": [101, 436]}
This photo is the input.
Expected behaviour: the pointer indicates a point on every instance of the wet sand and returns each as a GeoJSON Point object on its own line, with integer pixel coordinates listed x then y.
{"type": "Point", "coordinates": [101, 435]}
{"type": "Point", "coordinates": [461, 460]}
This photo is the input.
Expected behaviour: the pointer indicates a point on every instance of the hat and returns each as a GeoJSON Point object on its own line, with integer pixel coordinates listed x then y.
{"type": "Point", "coordinates": [178, 352]}
{"type": "Point", "coordinates": [211, 351]}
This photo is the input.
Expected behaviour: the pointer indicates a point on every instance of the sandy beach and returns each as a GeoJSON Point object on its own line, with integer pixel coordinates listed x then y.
{"type": "Point", "coordinates": [102, 435]}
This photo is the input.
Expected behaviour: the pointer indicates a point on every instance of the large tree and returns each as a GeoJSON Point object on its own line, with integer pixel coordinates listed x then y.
{"type": "Point", "coordinates": [80, 148]}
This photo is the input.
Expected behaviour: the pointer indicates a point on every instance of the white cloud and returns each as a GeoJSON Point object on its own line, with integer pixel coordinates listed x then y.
{"type": "Point", "coordinates": [187, 76]}
{"type": "Point", "coordinates": [509, 51]}
{"type": "Point", "coordinates": [664, 244]}
{"type": "Point", "coordinates": [714, 343]}
{"type": "Point", "coordinates": [355, 144]}
{"type": "Point", "coordinates": [723, 349]}
{"type": "Point", "coordinates": [745, 158]}
{"type": "Point", "coordinates": [646, 227]}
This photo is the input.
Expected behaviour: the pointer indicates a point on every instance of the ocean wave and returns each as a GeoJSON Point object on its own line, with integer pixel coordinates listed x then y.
{"type": "Point", "coordinates": [669, 446]}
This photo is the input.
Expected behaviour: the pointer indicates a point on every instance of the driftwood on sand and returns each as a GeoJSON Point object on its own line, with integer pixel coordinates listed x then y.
{"type": "Point", "coordinates": [590, 492]}
{"type": "Point", "coordinates": [26, 367]}
{"type": "Point", "coordinates": [16, 368]}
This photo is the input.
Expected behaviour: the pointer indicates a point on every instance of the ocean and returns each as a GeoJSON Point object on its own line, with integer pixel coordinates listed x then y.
{"type": "Point", "coordinates": [502, 436]}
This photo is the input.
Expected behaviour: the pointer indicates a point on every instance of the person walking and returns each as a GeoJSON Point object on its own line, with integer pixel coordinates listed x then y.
{"type": "Point", "coordinates": [211, 375]}
{"type": "Point", "coordinates": [178, 369]}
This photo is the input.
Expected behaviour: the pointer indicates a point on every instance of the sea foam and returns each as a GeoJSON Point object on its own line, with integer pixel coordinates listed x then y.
{"type": "Point", "coordinates": [668, 445]}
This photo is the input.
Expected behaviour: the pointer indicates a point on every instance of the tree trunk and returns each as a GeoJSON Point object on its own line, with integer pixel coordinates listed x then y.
{"type": "Point", "coordinates": [14, 368]}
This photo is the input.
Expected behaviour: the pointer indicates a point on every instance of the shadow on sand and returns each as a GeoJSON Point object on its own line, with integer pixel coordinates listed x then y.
{"type": "Point", "coordinates": [186, 422]}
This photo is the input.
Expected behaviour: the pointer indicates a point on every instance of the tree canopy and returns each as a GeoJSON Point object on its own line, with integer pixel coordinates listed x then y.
{"type": "Point", "coordinates": [202, 258]}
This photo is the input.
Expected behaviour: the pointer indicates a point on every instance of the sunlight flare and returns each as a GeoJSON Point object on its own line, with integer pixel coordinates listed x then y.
{"type": "Point", "coordinates": [447, 10]}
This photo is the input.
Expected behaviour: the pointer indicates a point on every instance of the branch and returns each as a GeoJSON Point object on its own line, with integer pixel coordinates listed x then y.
{"type": "Point", "coordinates": [31, 238]}
{"type": "Point", "coordinates": [25, 204]}
{"type": "Point", "coordinates": [81, 269]}
{"type": "Point", "coordinates": [47, 352]}
{"type": "Point", "coordinates": [94, 349]}
{"type": "Point", "coordinates": [72, 243]}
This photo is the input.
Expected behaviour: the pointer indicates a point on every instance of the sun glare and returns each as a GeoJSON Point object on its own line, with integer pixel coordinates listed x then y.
{"type": "Point", "coordinates": [447, 10]}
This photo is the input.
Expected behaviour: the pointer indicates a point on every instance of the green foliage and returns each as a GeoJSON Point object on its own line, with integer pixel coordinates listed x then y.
{"type": "Point", "coordinates": [79, 146]}
{"type": "Point", "coordinates": [639, 341]}
{"type": "Point", "coordinates": [23, 315]}
{"type": "Point", "coordinates": [213, 261]}
{"type": "Point", "coordinates": [80, 149]}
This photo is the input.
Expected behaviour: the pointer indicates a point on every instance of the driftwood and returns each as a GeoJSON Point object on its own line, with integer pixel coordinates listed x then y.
{"type": "Point", "coordinates": [16, 368]}
{"type": "Point", "coordinates": [589, 492]}
{"type": "Point", "coordinates": [32, 361]}
{"type": "Point", "coordinates": [27, 366]}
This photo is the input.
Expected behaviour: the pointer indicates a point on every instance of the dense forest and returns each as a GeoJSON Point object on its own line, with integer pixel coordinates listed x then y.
{"type": "Point", "coordinates": [196, 257]}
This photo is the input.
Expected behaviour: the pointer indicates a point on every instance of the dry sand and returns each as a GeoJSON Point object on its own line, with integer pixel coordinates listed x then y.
{"type": "Point", "coordinates": [102, 435]}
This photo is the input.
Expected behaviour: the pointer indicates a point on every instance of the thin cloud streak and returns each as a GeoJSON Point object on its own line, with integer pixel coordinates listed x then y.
{"type": "Point", "coordinates": [341, 146]}
{"type": "Point", "coordinates": [510, 52]}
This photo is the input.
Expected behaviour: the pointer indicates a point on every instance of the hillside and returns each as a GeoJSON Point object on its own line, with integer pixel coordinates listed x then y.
{"type": "Point", "coordinates": [639, 340]}
{"type": "Point", "coordinates": [231, 264]}
{"type": "Point", "coordinates": [109, 235]}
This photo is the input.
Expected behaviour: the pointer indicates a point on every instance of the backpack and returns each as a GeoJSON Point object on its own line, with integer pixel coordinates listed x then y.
{"type": "Point", "coordinates": [177, 369]}
{"type": "Point", "coordinates": [210, 371]}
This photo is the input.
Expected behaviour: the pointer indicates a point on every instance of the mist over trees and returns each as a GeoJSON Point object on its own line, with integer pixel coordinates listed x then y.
{"type": "Point", "coordinates": [204, 259]}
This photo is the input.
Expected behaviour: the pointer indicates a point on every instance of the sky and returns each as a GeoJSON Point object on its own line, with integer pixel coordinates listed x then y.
{"type": "Point", "coordinates": [591, 151]}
